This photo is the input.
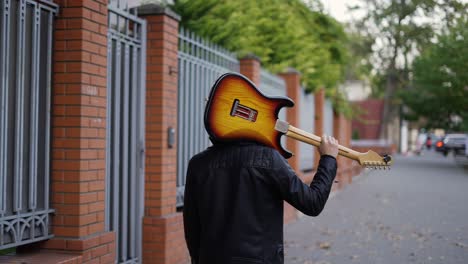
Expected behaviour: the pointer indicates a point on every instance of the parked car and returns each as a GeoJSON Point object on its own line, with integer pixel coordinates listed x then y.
{"type": "Point", "coordinates": [440, 146]}
{"type": "Point", "coordinates": [455, 143]}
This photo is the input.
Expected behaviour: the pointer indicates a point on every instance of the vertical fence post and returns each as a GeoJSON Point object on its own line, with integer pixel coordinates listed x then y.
{"type": "Point", "coordinates": [354, 167]}
{"type": "Point", "coordinates": [250, 68]}
{"type": "Point", "coordinates": [346, 167]}
{"type": "Point", "coordinates": [319, 100]}
{"type": "Point", "coordinates": [339, 134]}
{"type": "Point", "coordinates": [293, 90]}
{"type": "Point", "coordinates": [79, 132]}
{"type": "Point", "coordinates": [163, 237]}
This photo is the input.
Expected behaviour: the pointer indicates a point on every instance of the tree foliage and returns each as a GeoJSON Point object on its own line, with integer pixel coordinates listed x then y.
{"type": "Point", "coordinates": [360, 49]}
{"type": "Point", "coordinates": [440, 81]}
{"type": "Point", "coordinates": [401, 29]}
{"type": "Point", "coordinates": [282, 34]}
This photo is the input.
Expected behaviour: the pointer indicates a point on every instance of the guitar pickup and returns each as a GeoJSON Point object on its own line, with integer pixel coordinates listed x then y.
{"type": "Point", "coordinates": [243, 111]}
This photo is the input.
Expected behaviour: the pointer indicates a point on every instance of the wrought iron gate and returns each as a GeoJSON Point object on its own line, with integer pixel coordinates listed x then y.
{"type": "Point", "coordinates": [25, 70]}
{"type": "Point", "coordinates": [125, 126]}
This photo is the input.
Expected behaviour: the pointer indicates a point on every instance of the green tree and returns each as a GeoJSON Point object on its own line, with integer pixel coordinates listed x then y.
{"type": "Point", "coordinates": [440, 84]}
{"type": "Point", "coordinates": [360, 49]}
{"type": "Point", "coordinates": [282, 34]}
{"type": "Point", "coordinates": [402, 28]}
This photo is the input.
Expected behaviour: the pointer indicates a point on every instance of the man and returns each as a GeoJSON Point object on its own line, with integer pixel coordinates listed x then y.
{"type": "Point", "coordinates": [233, 205]}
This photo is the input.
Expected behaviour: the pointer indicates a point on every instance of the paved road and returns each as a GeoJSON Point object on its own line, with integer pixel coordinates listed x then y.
{"type": "Point", "coordinates": [415, 213]}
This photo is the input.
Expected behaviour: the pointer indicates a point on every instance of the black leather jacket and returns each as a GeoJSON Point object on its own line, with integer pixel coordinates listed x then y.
{"type": "Point", "coordinates": [233, 204]}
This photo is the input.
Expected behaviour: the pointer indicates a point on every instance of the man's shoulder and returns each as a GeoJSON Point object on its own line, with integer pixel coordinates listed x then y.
{"type": "Point", "coordinates": [252, 155]}
{"type": "Point", "coordinates": [201, 155]}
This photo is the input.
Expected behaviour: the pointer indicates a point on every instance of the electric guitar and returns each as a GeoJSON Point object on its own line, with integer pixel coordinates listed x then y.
{"type": "Point", "coordinates": [237, 110]}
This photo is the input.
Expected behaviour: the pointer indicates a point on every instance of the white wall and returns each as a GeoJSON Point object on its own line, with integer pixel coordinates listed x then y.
{"type": "Point", "coordinates": [356, 90]}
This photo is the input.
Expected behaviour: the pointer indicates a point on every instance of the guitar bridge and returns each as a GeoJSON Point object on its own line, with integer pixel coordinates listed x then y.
{"type": "Point", "coordinates": [243, 111]}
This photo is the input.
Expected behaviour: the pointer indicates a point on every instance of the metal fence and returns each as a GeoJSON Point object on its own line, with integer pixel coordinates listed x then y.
{"type": "Point", "coordinates": [328, 117]}
{"type": "Point", "coordinates": [200, 64]}
{"type": "Point", "coordinates": [125, 130]}
{"type": "Point", "coordinates": [25, 78]}
{"type": "Point", "coordinates": [307, 120]}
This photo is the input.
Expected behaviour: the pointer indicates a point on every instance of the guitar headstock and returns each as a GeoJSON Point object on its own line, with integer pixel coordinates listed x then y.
{"type": "Point", "coordinates": [371, 159]}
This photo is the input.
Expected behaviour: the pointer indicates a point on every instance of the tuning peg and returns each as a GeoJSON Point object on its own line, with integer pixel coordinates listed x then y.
{"type": "Point", "coordinates": [387, 158]}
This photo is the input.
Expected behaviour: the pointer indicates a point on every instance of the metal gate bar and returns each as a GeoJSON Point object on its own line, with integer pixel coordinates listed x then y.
{"type": "Point", "coordinates": [133, 223]}
{"type": "Point", "coordinates": [17, 200]}
{"type": "Point", "coordinates": [124, 191]}
{"type": "Point", "coordinates": [5, 17]}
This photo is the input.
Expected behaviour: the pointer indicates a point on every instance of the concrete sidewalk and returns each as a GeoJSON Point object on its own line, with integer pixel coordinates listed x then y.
{"type": "Point", "coordinates": [415, 213]}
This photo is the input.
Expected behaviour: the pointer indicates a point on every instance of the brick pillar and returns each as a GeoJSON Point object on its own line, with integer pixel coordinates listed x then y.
{"type": "Point", "coordinates": [79, 132]}
{"type": "Point", "coordinates": [336, 134]}
{"type": "Point", "coordinates": [346, 141]}
{"type": "Point", "coordinates": [354, 165]}
{"type": "Point", "coordinates": [293, 91]}
{"type": "Point", "coordinates": [339, 129]}
{"type": "Point", "coordinates": [346, 167]}
{"type": "Point", "coordinates": [250, 68]}
{"type": "Point", "coordinates": [163, 235]}
{"type": "Point", "coordinates": [319, 101]}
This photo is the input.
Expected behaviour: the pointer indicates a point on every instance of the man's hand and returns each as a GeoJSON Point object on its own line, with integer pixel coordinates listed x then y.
{"type": "Point", "coordinates": [329, 146]}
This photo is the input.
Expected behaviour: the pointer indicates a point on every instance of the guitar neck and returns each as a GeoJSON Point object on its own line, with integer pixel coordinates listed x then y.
{"type": "Point", "coordinates": [312, 139]}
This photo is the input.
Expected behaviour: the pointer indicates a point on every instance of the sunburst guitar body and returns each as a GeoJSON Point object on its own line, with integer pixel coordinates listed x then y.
{"type": "Point", "coordinates": [236, 110]}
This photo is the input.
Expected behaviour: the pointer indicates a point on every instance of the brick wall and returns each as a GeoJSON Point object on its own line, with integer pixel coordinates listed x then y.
{"type": "Point", "coordinates": [293, 91]}
{"type": "Point", "coordinates": [319, 101]}
{"type": "Point", "coordinates": [163, 236]}
{"type": "Point", "coordinates": [79, 132]}
{"type": "Point", "coordinates": [346, 166]}
{"type": "Point", "coordinates": [250, 67]}
{"type": "Point", "coordinates": [367, 123]}
{"type": "Point", "coordinates": [40, 257]}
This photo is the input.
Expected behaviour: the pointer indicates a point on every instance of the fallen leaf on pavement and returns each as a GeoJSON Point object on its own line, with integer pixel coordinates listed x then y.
{"type": "Point", "coordinates": [458, 244]}
{"type": "Point", "coordinates": [324, 245]}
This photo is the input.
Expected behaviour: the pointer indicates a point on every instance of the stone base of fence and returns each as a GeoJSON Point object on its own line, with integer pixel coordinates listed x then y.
{"type": "Point", "coordinates": [290, 213]}
{"type": "Point", "coordinates": [163, 238]}
{"type": "Point", "coordinates": [94, 249]}
{"type": "Point", "coordinates": [42, 256]}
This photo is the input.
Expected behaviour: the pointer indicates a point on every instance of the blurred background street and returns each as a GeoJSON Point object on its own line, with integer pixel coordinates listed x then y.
{"type": "Point", "coordinates": [414, 213]}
